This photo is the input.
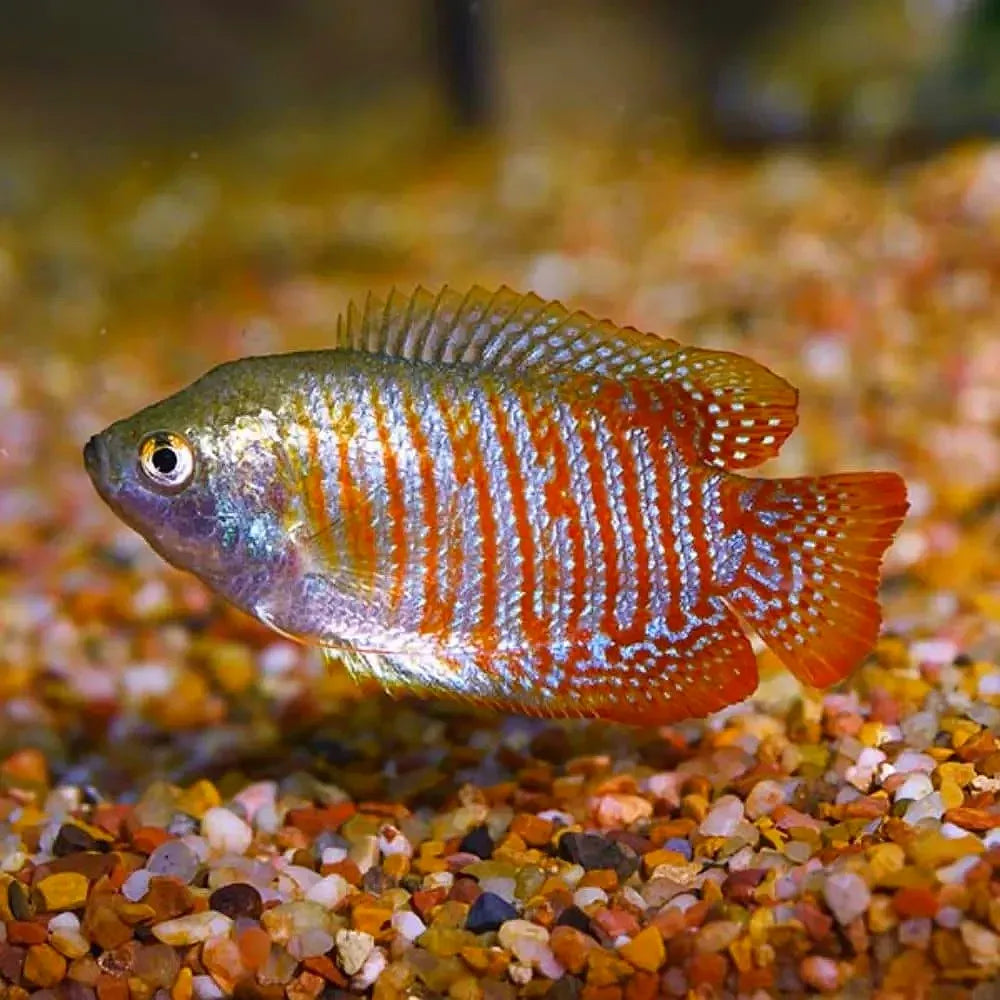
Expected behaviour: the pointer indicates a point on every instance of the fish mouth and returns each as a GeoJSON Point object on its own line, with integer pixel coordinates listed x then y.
{"type": "Point", "coordinates": [96, 462]}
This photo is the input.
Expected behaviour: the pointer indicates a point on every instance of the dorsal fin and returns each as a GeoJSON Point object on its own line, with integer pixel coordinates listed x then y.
{"type": "Point", "coordinates": [744, 411]}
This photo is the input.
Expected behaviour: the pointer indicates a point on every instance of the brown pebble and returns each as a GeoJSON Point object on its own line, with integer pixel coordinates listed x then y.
{"type": "Point", "coordinates": [323, 965]}
{"type": "Point", "coordinates": [739, 885]}
{"type": "Point", "coordinates": [238, 899]}
{"type": "Point", "coordinates": [168, 898]}
{"type": "Point", "coordinates": [465, 890]}
{"type": "Point", "coordinates": [11, 961]}
{"type": "Point", "coordinates": [818, 925]}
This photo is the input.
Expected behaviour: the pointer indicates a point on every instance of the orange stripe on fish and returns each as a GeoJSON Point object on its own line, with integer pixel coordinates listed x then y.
{"type": "Point", "coordinates": [519, 508]}
{"type": "Point", "coordinates": [432, 619]}
{"type": "Point", "coordinates": [357, 512]}
{"type": "Point", "coordinates": [317, 509]}
{"type": "Point", "coordinates": [395, 500]}
{"type": "Point", "coordinates": [470, 468]}
{"type": "Point", "coordinates": [551, 453]}
{"type": "Point", "coordinates": [595, 459]}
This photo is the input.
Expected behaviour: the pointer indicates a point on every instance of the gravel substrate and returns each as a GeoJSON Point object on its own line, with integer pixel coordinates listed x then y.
{"type": "Point", "coordinates": [192, 807]}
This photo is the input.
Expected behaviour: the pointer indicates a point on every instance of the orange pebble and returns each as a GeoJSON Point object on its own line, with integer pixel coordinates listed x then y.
{"type": "Point", "coordinates": [707, 969]}
{"type": "Point", "coordinates": [255, 946]}
{"type": "Point", "coordinates": [533, 830]}
{"type": "Point", "coordinates": [27, 765]}
{"type": "Point", "coordinates": [915, 902]}
{"type": "Point", "coordinates": [26, 932]}
{"type": "Point", "coordinates": [599, 878]}
{"type": "Point", "coordinates": [148, 838]}
{"type": "Point", "coordinates": [109, 988]}
{"type": "Point", "coordinates": [643, 986]}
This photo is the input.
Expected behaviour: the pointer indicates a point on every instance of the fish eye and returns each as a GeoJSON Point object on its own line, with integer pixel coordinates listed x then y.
{"type": "Point", "coordinates": [166, 460]}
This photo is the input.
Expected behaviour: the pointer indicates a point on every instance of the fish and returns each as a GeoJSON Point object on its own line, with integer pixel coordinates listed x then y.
{"type": "Point", "coordinates": [488, 496]}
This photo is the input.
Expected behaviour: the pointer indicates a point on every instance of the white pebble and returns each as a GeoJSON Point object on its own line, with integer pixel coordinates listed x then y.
{"type": "Point", "coordinates": [524, 939]}
{"type": "Point", "coordinates": [861, 774]}
{"type": "Point", "coordinates": [303, 879]}
{"type": "Point", "coordinates": [989, 684]}
{"type": "Point", "coordinates": [983, 945]}
{"type": "Point", "coordinates": [520, 973]}
{"type": "Point", "coordinates": [333, 855]}
{"type": "Point", "coordinates": [310, 943]}
{"type": "Point", "coordinates": [936, 652]}
{"type": "Point", "coordinates": [278, 658]}
{"type": "Point", "coordinates": [364, 852]}
{"type": "Point", "coordinates": [589, 894]}
{"type": "Point", "coordinates": [353, 948]}
{"type": "Point", "coordinates": [950, 916]}
{"type": "Point", "coordinates": [66, 921]}
{"type": "Point", "coordinates": [764, 798]}
{"type": "Point", "coordinates": [952, 832]}
{"type": "Point", "coordinates": [909, 761]}
{"type": "Point", "coordinates": [683, 902]}
{"type": "Point", "coordinates": [392, 841]}
{"type": "Point", "coordinates": [266, 819]}
{"type": "Point", "coordinates": [206, 988]}
{"type": "Point", "coordinates": [374, 965]}
{"type": "Point", "coordinates": [192, 929]}
{"type": "Point", "coordinates": [225, 832]}
{"type": "Point", "coordinates": [408, 925]}
{"type": "Point", "coordinates": [917, 786]}
{"type": "Point", "coordinates": [66, 937]}
{"type": "Point", "coordinates": [919, 729]}
{"type": "Point", "coordinates": [723, 817]}
{"type": "Point", "coordinates": [438, 880]}
{"type": "Point", "coordinates": [329, 891]}
{"type": "Point", "coordinates": [929, 807]}
{"type": "Point", "coordinates": [548, 965]}
{"type": "Point", "coordinates": [135, 887]}
{"type": "Point", "coordinates": [500, 886]}
{"type": "Point", "coordinates": [847, 895]}
{"type": "Point", "coordinates": [954, 874]}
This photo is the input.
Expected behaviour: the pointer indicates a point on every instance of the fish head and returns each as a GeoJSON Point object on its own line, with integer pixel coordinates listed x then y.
{"type": "Point", "coordinates": [198, 476]}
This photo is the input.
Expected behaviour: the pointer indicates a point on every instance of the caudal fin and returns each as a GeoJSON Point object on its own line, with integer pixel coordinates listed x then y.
{"type": "Point", "coordinates": [807, 576]}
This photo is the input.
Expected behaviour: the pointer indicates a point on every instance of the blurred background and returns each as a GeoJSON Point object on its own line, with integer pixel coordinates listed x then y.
{"type": "Point", "coordinates": [875, 73]}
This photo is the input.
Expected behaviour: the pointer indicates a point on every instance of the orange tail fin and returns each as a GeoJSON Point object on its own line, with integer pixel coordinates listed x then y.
{"type": "Point", "coordinates": [806, 575]}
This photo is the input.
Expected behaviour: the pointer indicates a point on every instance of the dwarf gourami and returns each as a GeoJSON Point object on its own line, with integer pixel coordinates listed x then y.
{"type": "Point", "coordinates": [490, 497]}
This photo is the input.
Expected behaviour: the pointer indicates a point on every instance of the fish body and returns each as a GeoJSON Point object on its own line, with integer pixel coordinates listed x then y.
{"type": "Point", "coordinates": [489, 497]}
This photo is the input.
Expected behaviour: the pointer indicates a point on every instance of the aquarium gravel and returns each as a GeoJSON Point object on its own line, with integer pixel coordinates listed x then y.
{"type": "Point", "coordinates": [191, 806]}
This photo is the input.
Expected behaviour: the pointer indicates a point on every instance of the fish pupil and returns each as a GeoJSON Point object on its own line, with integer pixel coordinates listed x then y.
{"type": "Point", "coordinates": [164, 460]}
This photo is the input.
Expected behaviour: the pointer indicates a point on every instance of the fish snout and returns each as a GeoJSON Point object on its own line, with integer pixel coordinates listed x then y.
{"type": "Point", "coordinates": [95, 458]}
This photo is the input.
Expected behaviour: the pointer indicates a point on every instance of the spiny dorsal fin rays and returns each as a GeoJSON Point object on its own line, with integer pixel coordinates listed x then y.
{"type": "Point", "coordinates": [744, 410]}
